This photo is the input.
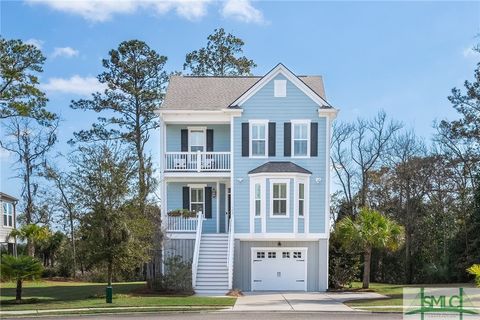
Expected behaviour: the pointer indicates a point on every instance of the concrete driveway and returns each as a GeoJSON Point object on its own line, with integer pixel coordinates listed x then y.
{"type": "Point", "coordinates": [299, 301]}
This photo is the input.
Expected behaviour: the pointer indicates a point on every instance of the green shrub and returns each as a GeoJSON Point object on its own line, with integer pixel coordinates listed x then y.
{"type": "Point", "coordinates": [475, 270]}
{"type": "Point", "coordinates": [182, 213]}
{"type": "Point", "coordinates": [177, 277]}
{"type": "Point", "coordinates": [343, 267]}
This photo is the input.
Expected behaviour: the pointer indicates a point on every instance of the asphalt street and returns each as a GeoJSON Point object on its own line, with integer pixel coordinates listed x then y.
{"type": "Point", "coordinates": [232, 316]}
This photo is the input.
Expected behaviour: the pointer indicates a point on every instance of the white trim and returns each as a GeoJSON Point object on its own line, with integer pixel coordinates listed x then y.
{"type": "Point", "coordinates": [281, 236]}
{"type": "Point", "coordinates": [200, 117]}
{"type": "Point", "coordinates": [197, 185]}
{"type": "Point", "coordinates": [250, 137]}
{"type": "Point", "coordinates": [287, 182]}
{"type": "Point", "coordinates": [181, 235]}
{"type": "Point", "coordinates": [280, 69]}
{"type": "Point", "coordinates": [203, 175]}
{"type": "Point", "coordinates": [279, 249]}
{"type": "Point", "coordinates": [279, 174]}
{"type": "Point", "coordinates": [327, 174]}
{"type": "Point", "coordinates": [263, 207]}
{"type": "Point", "coordinates": [232, 181]}
{"type": "Point", "coordinates": [217, 196]}
{"type": "Point", "coordinates": [330, 113]}
{"type": "Point", "coordinates": [306, 122]}
{"type": "Point", "coordinates": [306, 183]}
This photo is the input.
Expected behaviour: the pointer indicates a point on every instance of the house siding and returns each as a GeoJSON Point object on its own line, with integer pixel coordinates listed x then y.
{"type": "Point", "coordinates": [263, 105]}
{"type": "Point", "coordinates": [179, 247]}
{"type": "Point", "coordinates": [317, 259]}
{"type": "Point", "coordinates": [221, 136]}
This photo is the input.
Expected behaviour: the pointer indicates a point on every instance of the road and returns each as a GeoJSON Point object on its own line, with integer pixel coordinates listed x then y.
{"type": "Point", "coordinates": [234, 316]}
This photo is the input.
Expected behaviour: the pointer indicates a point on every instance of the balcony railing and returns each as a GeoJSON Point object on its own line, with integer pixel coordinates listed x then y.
{"type": "Point", "coordinates": [197, 161]}
{"type": "Point", "coordinates": [182, 224]}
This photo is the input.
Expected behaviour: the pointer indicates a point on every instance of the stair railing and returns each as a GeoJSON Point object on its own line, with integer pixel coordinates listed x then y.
{"type": "Point", "coordinates": [196, 251]}
{"type": "Point", "coordinates": [231, 240]}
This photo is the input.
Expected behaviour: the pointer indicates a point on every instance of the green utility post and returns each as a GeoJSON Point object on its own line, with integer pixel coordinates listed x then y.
{"type": "Point", "coordinates": [109, 294]}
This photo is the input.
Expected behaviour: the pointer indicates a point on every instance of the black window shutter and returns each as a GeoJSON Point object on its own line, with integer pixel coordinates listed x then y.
{"type": "Point", "coordinates": [184, 138]}
{"type": "Point", "coordinates": [271, 139]}
{"type": "Point", "coordinates": [314, 139]}
{"type": "Point", "coordinates": [208, 202]}
{"type": "Point", "coordinates": [287, 139]}
{"type": "Point", "coordinates": [245, 139]}
{"type": "Point", "coordinates": [186, 198]}
{"type": "Point", "coordinates": [209, 139]}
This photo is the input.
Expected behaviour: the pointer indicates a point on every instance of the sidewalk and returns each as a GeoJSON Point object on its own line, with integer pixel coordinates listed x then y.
{"type": "Point", "coordinates": [114, 309]}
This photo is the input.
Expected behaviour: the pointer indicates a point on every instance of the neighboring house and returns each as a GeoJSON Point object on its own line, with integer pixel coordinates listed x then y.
{"type": "Point", "coordinates": [8, 215]}
{"type": "Point", "coordinates": [252, 153]}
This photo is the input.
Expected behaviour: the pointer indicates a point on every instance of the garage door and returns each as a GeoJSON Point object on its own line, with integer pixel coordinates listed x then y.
{"type": "Point", "coordinates": [279, 269]}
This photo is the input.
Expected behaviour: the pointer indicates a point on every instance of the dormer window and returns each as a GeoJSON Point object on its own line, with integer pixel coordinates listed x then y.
{"type": "Point", "coordinates": [280, 88]}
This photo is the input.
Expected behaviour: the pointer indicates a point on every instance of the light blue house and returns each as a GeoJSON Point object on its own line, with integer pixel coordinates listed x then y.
{"type": "Point", "coordinates": [250, 155]}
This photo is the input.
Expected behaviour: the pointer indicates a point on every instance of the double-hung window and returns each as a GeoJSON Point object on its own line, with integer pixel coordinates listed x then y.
{"type": "Point", "coordinates": [301, 138]}
{"type": "Point", "coordinates": [258, 199]}
{"type": "Point", "coordinates": [197, 200]}
{"type": "Point", "coordinates": [279, 199]}
{"type": "Point", "coordinates": [258, 139]}
{"type": "Point", "coordinates": [7, 214]}
{"type": "Point", "coordinates": [197, 139]}
{"type": "Point", "coordinates": [301, 200]}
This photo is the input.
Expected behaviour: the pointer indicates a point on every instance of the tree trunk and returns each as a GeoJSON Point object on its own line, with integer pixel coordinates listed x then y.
{"type": "Point", "coordinates": [30, 248]}
{"type": "Point", "coordinates": [366, 267]}
{"type": "Point", "coordinates": [110, 273]}
{"type": "Point", "coordinates": [18, 295]}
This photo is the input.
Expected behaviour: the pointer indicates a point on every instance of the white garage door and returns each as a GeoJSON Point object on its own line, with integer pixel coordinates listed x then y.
{"type": "Point", "coordinates": [279, 269]}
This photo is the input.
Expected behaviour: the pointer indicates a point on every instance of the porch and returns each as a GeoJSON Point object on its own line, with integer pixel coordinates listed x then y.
{"type": "Point", "coordinates": [186, 197]}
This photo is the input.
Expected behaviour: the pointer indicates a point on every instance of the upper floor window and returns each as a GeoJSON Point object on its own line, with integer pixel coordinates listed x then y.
{"type": "Point", "coordinates": [7, 214]}
{"type": "Point", "coordinates": [279, 200]}
{"type": "Point", "coordinates": [197, 200]}
{"type": "Point", "coordinates": [301, 139]}
{"type": "Point", "coordinates": [258, 140]}
{"type": "Point", "coordinates": [197, 139]}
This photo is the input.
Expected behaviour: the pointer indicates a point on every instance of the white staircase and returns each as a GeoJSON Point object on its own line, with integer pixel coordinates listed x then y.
{"type": "Point", "coordinates": [212, 270]}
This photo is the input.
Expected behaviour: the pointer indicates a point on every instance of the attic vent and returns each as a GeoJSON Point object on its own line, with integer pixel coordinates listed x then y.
{"type": "Point", "coordinates": [280, 89]}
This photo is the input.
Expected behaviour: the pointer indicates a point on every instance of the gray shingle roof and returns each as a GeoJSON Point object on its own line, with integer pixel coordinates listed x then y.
{"type": "Point", "coordinates": [216, 93]}
{"type": "Point", "coordinates": [279, 166]}
{"type": "Point", "coordinates": [7, 197]}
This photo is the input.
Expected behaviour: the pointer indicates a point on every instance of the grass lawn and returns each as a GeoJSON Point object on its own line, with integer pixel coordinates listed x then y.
{"type": "Point", "coordinates": [394, 293]}
{"type": "Point", "coordinates": [66, 294]}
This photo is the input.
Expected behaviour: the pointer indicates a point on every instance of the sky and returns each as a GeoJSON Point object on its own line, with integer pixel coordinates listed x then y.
{"type": "Point", "coordinates": [400, 57]}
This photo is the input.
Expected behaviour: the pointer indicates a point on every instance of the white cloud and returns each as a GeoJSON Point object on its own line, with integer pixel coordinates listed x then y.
{"type": "Point", "coordinates": [35, 42]}
{"type": "Point", "coordinates": [74, 85]}
{"type": "Point", "coordinates": [64, 52]}
{"type": "Point", "coordinates": [469, 52]}
{"type": "Point", "coordinates": [103, 10]}
{"type": "Point", "coordinates": [242, 10]}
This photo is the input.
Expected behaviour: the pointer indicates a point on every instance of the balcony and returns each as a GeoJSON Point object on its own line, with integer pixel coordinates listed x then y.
{"type": "Point", "coordinates": [197, 161]}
